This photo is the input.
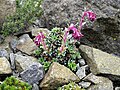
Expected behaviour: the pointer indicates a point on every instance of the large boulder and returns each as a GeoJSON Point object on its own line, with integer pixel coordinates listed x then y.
{"type": "Point", "coordinates": [100, 83]}
{"type": "Point", "coordinates": [7, 7]}
{"type": "Point", "coordinates": [26, 44]}
{"type": "Point", "coordinates": [57, 75]}
{"type": "Point", "coordinates": [100, 62]}
{"type": "Point", "coordinates": [33, 74]}
{"type": "Point", "coordinates": [106, 32]}
{"type": "Point", "coordinates": [23, 62]}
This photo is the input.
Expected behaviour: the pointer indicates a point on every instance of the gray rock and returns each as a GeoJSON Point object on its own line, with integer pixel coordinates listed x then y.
{"type": "Point", "coordinates": [101, 83]}
{"type": "Point", "coordinates": [117, 88]}
{"type": "Point", "coordinates": [100, 62]}
{"type": "Point", "coordinates": [7, 7]}
{"type": "Point", "coordinates": [5, 45]}
{"type": "Point", "coordinates": [35, 87]}
{"type": "Point", "coordinates": [105, 35]}
{"type": "Point", "coordinates": [16, 73]}
{"type": "Point", "coordinates": [36, 31]}
{"type": "Point", "coordinates": [81, 62]}
{"type": "Point", "coordinates": [33, 74]}
{"type": "Point", "coordinates": [5, 66]}
{"type": "Point", "coordinates": [12, 60]}
{"type": "Point", "coordinates": [85, 84]}
{"type": "Point", "coordinates": [81, 73]}
{"type": "Point", "coordinates": [57, 75]}
{"type": "Point", "coordinates": [13, 44]}
{"type": "Point", "coordinates": [78, 66]}
{"type": "Point", "coordinates": [26, 44]}
{"type": "Point", "coordinates": [4, 53]}
{"type": "Point", "coordinates": [23, 62]}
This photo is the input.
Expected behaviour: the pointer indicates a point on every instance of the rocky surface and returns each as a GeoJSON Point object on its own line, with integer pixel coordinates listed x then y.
{"type": "Point", "coordinates": [101, 83]}
{"type": "Point", "coordinates": [101, 62]}
{"type": "Point", "coordinates": [57, 75]}
{"type": "Point", "coordinates": [26, 44]}
{"type": "Point", "coordinates": [81, 73]}
{"type": "Point", "coordinates": [23, 62]}
{"type": "Point", "coordinates": [36, 31]}
{"type": "Point", "coordinates": [6, 44]}
{"type": "Point", "coordinates": [85, 84]}
{"type": "Point", "coordinates": [3, 53]}
{"type": "Point", "coordinates": [5, 66]}
{"type": "Point", "coordinates": [104, 35]}
{"type": "Point", "coordinates": [12, 60]}
{"type": "Point", "coordinates": [7, 7]}
{"type": "Point", "coordinates": [57, 12]}
{"type": "Point", "coordinates": [33, 74]}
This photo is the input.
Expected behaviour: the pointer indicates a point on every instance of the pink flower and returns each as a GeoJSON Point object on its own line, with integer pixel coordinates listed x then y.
{"type": "Point", "coordinates": [91, 16]}
{"type": "Point", "coordinates": [75, 32]}
{"type": "Point", "coordinates": [40, 39]}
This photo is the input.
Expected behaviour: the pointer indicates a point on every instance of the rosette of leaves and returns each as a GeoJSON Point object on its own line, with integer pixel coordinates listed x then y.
{"type": "Point", "coordinates": [11, 83]}
{"type": "Point", "coordinates": [70, 86]}
{"type": "Point", "coordinates": [68, 57]}
{"type": "Point", "coordinates": [27, 11]}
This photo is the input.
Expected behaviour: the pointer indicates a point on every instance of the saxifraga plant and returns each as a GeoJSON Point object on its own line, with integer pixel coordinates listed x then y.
{"type": "Point", "coordinates": [70, 86]}
{"type": "Point", "coordinates": [11, 83]}
{"type": "Point", "coordinates": [53, 54]}
{"type": "Point", "coordinates": [60, 44]}
{"type": "Point", "coordinates": [27, 11]}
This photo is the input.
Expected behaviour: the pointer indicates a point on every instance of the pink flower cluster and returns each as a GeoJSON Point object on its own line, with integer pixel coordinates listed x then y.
{"type": "Point", "coordinates": [76, 32]}
{"type": "Point", "coordinates": [40, 39]}
{"type": "Point", "coordinates": [91, 16]}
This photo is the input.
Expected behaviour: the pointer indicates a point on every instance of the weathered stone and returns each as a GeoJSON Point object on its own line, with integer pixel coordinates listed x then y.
{"type": "Point", "coordinates": [105, 35]}
{"type": "Point", "coordinates": [5, 66]}
{"type": "Point", "coordinates": [3, 53]}
{"type": "Point", "coordinates": [57, 75]}
{"type": "Point", "coordinates": [81, 62]}
{"type": "Point", "coordinates": [5, 44]}
{"type": "Point", "coordinates": [33, 74]}
{"type": "Point", "coordinates": [16, 73]}
{"type": "Point", "coordinates": [85, 84]}
{"type": "Point", "coordinates": [81, 73]}
{"type": "Point", "coordinates": [12, 60]}
{"type": "Point", "coordinates": [101, 83]}
{"type": "Point", "coordinates": [35, 87]}
{"type": "Point", "coordinates": [23, 62]}
{"type": "Point", "coordinates": [101, 62]}
{"type": "Point", "coordinates": [7, 7]}
{"type": "Point", "coordinates": [26, 44]}
{"type": "Point", "coordinates": [36, 31]}
{"type": "Point", "coordinates": [13, 44]}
